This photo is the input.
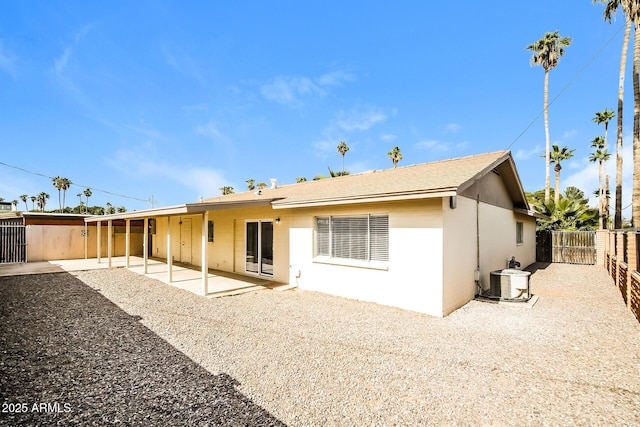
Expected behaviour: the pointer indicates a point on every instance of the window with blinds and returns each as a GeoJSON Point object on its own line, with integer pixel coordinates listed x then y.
{"type": "Point", "coordinates": [364, 238]}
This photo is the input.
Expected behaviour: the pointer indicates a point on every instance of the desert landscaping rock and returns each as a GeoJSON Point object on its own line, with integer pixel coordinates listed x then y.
{"type": "Point", "coordinates": [119, 348]}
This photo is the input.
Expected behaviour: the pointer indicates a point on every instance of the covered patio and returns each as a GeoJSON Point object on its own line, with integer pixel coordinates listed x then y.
{"type": "Point", "coordinates": [199, 279]}
{"type": "Point", "coordinates": [184, 277]}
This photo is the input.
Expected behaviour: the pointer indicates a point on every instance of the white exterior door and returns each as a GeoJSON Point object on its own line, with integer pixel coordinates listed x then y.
{"type": "Point", "coordinates": [186, 255]}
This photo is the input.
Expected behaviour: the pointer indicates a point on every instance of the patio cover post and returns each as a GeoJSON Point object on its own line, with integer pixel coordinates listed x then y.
{"type": "Point", "coordinates": [99, 239]}
{"type": "Point", "coordinates": [109, 248]}
{"type": "Point", "coordinates": [205, 253]}
{"type": "Point", "coordinates": [169, 256]}
{"type": "Point", "coordinates": [127, 242]}
{"type": "Point", "coordinates": [145, 244]}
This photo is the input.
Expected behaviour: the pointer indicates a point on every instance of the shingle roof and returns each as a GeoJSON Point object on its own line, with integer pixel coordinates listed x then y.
{"type": "Point", "coordinates": [422, 179]}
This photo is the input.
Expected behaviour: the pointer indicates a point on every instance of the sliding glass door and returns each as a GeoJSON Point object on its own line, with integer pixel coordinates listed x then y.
{"type": "Point", "coordinates": [259, 247]}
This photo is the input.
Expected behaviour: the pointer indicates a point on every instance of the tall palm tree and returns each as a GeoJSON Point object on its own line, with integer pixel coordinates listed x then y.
{"type": "Point", "coordinates": [15, 204]}
{"type": "Point", "coordinates": [611, 6]}
{"type": "Point", "coordinates": [251, 184]}
{"type": "Point", "coordinates": [58, 184]}
{"type": "Point", "coordinates": [395, 156]}
{"type": "Point", "coordinates": [604, 117]}
{"type": "Point", "coordinates": [600, 155]}
{"type": "Point", "coordinates": [33, 202]}
{"type": "Point", "coordinates": [65, 184]}
{"type": "Point", "coordinates": [42, 200]}
{"type": "Point", "coordinates": [87, 193]}
{"type": "Point", "coordinates": [24, 197]}
{"type": "Point", "coordinates": [556, 156]}
{"type": "Point", "coordinates": [342, 149]}
{"type": "Point", "coordinates": [547, 52]}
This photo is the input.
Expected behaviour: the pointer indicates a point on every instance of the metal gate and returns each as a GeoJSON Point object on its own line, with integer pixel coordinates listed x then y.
{"type": "Point", "coordinates": [573, 247]}
{"type": "Point", "coordinates": [13, 243]}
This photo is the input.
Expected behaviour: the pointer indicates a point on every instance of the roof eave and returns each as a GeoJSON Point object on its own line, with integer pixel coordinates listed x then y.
{"type": "Point", "coordinates": [366, 199]}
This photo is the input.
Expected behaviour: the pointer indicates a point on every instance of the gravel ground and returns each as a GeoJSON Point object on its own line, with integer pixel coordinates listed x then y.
{"type": "Point", "coordinates": [113, 347]}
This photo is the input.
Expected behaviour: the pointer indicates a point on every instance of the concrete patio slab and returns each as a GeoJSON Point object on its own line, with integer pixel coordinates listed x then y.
{"type": "Point", "coordinates": [183, 277]}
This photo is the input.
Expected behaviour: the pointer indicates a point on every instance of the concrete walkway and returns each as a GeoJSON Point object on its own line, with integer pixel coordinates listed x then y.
{"type": "Point", "coordinates": [183, 277]}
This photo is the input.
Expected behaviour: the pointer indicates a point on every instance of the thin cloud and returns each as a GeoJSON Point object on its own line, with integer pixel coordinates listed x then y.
{"type": "Point", "coordinates": [182, 62]}
{"type": "Point", "coordinates": [440, 146]}
{"type": "Point", "coordinates": [359, 119]}
{"type": "Point", "coordinates": [209, 130]}
{"type": "Point", "coordinates": [335, 78]}
{"type": "Point", "coordinates": [7, 60]}
{"type": "Point", "coordinates": [291, 91]}
{"type": "Point", "coordinates": [452, 128]}
{"type": "Point", "coordinates": [388, 137]}
{"type": "Point", "coordinates": [61, 63]}
{"type": "Point", "coordinates": [137, 163]}
{"type": "Point", "coordinates": [527, 154]}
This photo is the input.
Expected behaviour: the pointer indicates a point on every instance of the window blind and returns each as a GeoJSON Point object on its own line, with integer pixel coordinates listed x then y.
{"type": "Point", "coordinates": [360, 237]}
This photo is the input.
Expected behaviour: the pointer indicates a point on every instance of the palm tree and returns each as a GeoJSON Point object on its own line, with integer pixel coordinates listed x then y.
{"type": "Point", "coordinates": [229, 190]}
{"type": "Point", "coordinates": [342, 149]}
{"type": "Point", "coordinates": [15, 204]}
{"type": "Point", "coordinates": [42, 200]}
{"type": "Point", "coordinates": [87, 193]}
{"type": "Point", "coordinates": [556, 156]}
{"type": "Point", "coordinates": [66, 184]}
{"type": "Point", "coordinates": [547, 52]}
{"type": "Point", "coordinates": [109, 209]}
{"type": "Point", "coordinates": [611, 6]}
{"type": "Point", "coordinates": [57, 183]}
{"type": "Point", "coordinates": [251, 184]}
{"type": "Point", "coordinates": [301, 179]}
{"type": "Point", "coordinates": [24, 197]}
{"type": "Point", "coordinates": [33, 202]}
{"type": "Point", "coordinates": [395, 156]}
{"type": "Point", "coordinates": [600, 155]}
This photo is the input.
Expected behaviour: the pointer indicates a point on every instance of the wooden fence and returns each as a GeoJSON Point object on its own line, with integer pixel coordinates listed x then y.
{"type": "Point", "coordinates": [622, 258]}
{"type": "Point", "coordinates": [570, 247]}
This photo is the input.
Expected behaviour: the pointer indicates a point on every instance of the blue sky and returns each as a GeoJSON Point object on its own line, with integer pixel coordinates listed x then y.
{"type": "Point", "coordinates": [176, 99]}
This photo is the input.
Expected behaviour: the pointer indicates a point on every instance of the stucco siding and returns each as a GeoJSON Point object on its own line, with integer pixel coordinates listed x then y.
{"type": "Point", "coordinates": [498, 240]}
{"type": "Point", "coordinates": [460, 253]}
{"type": "Point", "coordinates": [412, 278]}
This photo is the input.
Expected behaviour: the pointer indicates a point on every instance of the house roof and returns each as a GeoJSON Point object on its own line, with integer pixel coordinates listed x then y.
{"type": "Point", "coordinates": [435, 179]}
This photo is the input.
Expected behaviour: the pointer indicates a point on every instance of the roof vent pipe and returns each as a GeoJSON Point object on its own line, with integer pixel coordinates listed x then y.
{"type": "Point", "coordinates": [274, 183]}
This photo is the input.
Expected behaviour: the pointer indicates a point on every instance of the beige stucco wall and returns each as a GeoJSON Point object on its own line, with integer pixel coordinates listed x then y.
{"type": "Point", "coordinates": [54, 242]}
{"type": "Point", "coordinates": [412, 278]}
{"type": "Point", "coordinates": [497, 242]}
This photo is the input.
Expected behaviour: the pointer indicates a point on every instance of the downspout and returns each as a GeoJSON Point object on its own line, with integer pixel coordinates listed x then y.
{"type": "Point", "coordinates": [477, 272]}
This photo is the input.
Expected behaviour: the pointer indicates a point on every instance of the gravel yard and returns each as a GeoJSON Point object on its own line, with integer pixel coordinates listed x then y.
{"type": "Point", "coordinates": [112, 347]}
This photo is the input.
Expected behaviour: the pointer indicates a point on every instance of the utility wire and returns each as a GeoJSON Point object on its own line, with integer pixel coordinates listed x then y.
{"type": "Point", "coordinates": [573, 79]}
{"type": "Point", "coordinates": [77, 184]}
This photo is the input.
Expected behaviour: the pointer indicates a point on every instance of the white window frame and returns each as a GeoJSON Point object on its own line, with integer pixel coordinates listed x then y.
{"type": "Point", "coordinates": [329, 258]}
{"type": "Point", "coordinates": [519, 233]}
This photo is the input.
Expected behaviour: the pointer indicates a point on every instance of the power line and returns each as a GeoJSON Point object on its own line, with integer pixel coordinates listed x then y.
{"type": "Point", "coordinates": [75, 183]}
{"type": "Point", "coordinates": [573, 79]}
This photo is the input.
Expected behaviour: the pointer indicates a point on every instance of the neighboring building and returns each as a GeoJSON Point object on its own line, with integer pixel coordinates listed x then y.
{"type": "Point", "coordinates": [416, 237]}
{"type": "Point", "coordinates": [44, 236]}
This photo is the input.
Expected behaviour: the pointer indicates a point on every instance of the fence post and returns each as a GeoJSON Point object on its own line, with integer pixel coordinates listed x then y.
{"type": "Point", "coordinates": [612, 250]}
{"type": "Point", "coordinates": [632, 262]}
{"type": "Point", "coordinates": [601, 246]}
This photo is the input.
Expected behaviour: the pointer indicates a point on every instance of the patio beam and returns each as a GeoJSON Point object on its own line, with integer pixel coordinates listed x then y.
{"type": "Point", "coordinates": [169, 256]}
{"type": "Point", "coordinates": [99, 240]}
{"type": "Point", "coordinates": [145, 245]}
{"type": "Point", "coordinates": [127, 242]}
{"type": "Point", "coordinates": [109, 245]}
{"type": "Point", "coordinates": [205, 252]}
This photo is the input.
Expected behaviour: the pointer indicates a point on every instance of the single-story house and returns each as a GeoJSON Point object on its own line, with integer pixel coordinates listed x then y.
{"type": "Point", "coordinates": [423, 237]}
